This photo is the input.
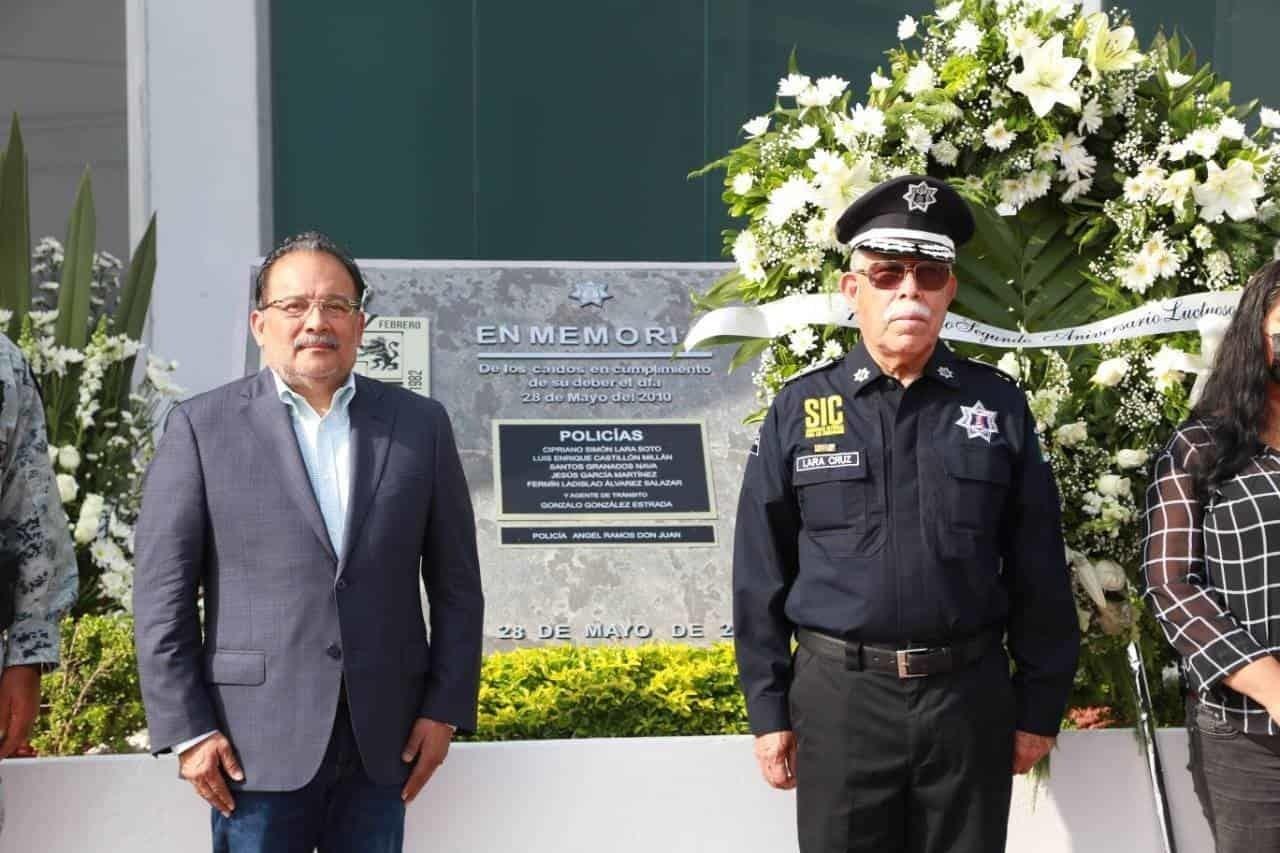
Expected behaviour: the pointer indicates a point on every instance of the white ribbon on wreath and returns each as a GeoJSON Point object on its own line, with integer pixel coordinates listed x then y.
{"type": "Point", "coordinates": [1207, 313]}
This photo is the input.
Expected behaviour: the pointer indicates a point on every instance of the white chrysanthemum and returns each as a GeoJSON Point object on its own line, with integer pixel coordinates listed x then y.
{"type": "Point", "coordinates": [743, 182]}
{"type": "Point", "coordinates": [879, 82]}
{"type": "Point", "coordinates": [1110, 372]}
{"type": "Point", "coordinates": [805, 137]}
{"type": "Point", "coordinates": [820, 231]}
{"type": "Point", "coordinates": [67, 488]}
{"type": "Point", "coordinates": [801, 341]}
{"type": "Point", "coordinates": [792, 85]}
{"type": "Point", "coordinates": [788, 199]}
{"type": "Point", "coordinates": [945, 153]}
{"type": "Point", "coordinates": [830, 88]}
{"type": "Point", "coordinates": [1019, 39]}
{"type": "Point", "coordinates": [1131, 458]}
{"type": "Point", "coordinates": [919, 138]}
{"type": "Point", "coordinates": [1162, 259]}
{"type": "Point", "coordinates": [919, 79]}
{"type": "Point", "coordinates": [812, 96]}
{"type": "Point", "coordinates": [1204, 142]}
{"type": "Point", "coordinates": [1139, 275]}
{"type": "Point", "coordinates": [1270, 118]}
{"type": "Point", "coordinates": [1166, 367]}
{"type": "Point", "coordinates": [1230, 128]}
{"type": "Point", "coordinates": [1076, 160]}
{"type": "Point", "coordinates": [950, 11]}
{"type": "Point", "coordinates": [998, 137]}
{"type": "Point", "coordinates": [756, 126]}
{"type": "Point", "coordinates": [867, 121]}
{"type": "Point", "coordinates": [1090, 117]}
{"type": "Point", "coordinates": [1232, 191]}
{"type": "Point", "coordinates": [906, 27]}
{"type": "Point", "coordinates": [1045, 78]}
{"type": "Point", "coordinates": [967, 38]}
{"type": "Point", "coordinates": [1076, 189]}
{"type": "Point", "coordinates": [831, 350]}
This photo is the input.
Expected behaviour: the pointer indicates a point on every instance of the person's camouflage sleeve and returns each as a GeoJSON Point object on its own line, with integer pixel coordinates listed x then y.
{"type": "Point", "coordinates": [33, 525]}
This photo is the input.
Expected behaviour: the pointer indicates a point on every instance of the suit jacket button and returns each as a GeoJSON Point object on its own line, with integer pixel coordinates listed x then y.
{"type": "Point", "coordinates": [342, 583]}
{"type": "Point", "coordinates": [333, 651]}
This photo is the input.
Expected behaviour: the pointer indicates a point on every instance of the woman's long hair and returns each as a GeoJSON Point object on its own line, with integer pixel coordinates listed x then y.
{"type": "Point", "coordinates": [1234, 403]}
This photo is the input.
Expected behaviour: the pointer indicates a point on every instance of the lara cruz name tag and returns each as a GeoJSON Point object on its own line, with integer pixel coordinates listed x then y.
{"type": "Point", "coordinates": [849, 459]}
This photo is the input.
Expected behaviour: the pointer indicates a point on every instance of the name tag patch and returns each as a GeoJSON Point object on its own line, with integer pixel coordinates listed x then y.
{"type": "Point", "coordinates": [827, 461]}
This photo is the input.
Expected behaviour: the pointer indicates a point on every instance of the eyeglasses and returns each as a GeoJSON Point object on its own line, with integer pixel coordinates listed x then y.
{"type": "Point", "coordinates": [887, 275]}
{"type": "Point", "coordinates": [297, 306]}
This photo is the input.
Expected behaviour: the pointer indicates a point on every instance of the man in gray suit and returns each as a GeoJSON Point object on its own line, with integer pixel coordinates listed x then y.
{"type": "Point", "coordinates": [306, 502]}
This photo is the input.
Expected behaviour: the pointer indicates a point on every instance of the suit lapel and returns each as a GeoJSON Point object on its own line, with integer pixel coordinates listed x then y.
{"type": "Point", "coordinates": [372, 417]}
{"type": "Point", "coordinates": [270, 421]}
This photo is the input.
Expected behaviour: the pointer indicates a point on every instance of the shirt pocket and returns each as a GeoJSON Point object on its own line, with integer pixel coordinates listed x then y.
{"type": "Point", "coordinates": [977, 482]}
{"type": "Point", "coordinates": [833, 498]}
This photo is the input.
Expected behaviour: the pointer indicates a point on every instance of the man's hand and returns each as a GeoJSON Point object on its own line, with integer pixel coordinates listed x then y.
{"type": "Point", "coordinates": [429, 743]}
{"type": "Point", "coordinates": [776, 755]}
{"type": "Point", "coordinates": [1028, 749]}
{"type": "Point", "coordinates": [203, 764]}
{"type": "Point", "coordinates": [19, 702]}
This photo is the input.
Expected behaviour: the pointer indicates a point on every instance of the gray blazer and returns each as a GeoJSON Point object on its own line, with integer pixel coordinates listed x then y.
{"type": "Point", "coordinates": [227, 506]}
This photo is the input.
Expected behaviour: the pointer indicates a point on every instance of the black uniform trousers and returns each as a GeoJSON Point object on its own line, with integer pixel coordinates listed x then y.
{"type": "Point", "coordinates": [890, 765]}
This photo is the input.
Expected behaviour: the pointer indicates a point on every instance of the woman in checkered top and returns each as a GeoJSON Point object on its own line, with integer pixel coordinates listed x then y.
{"type": "Point", "coordinates": [1212, 566]}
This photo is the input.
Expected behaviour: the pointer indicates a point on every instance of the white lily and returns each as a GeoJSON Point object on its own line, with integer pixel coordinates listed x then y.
{"type": "Point", "coordinates": [1045, 78]}
{"type": "Point", "coordinates": [1231, 191]}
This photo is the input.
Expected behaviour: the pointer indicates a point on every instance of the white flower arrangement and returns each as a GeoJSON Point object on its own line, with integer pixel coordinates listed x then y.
{"type": "Point", "coordinates": [101, 433]}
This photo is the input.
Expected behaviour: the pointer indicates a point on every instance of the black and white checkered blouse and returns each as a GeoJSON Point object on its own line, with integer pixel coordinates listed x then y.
{"type": "Point", "coordinates": [1213, 572]}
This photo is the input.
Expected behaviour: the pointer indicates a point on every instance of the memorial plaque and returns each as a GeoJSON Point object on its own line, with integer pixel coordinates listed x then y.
{"type": "Point", "coordinates": [547, 366]}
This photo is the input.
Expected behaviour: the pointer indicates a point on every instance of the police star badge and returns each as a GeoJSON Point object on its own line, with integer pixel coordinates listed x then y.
{"type": "Point", "coordinates": [978, 421]}
{"type": "Point", "coordinates": [920, 197]}
{"type": "Point", "coordinates": [590, 293]}
{"type": "Point", "coordinates": [946, 373]}
{"type": "Point", "coordinates": [861, 374]}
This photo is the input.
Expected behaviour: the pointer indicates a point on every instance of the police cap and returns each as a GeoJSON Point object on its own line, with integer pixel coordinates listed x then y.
{"type": "Point", "coordinates": [913, 215]}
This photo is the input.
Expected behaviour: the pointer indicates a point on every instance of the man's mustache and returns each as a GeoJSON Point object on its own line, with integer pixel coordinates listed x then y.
{"type": "Point", "coordinates": [906, 310]}
{"type": "Point", "coordinates": [308, 340]}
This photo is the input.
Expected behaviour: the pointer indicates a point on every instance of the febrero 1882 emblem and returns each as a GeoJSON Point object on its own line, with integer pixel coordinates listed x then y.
{"type": "Point", "coordinates": [978, 421]}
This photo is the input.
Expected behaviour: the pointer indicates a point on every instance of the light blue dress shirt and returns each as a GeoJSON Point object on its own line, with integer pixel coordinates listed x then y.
{"type": "Point", "coordinates": [325, 443]}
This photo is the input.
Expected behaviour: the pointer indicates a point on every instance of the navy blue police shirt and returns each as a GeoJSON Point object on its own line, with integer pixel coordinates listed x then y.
{"type": "Point", "coordinates": [900, 516]}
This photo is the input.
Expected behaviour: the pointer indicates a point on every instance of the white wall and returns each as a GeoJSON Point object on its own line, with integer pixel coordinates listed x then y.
{"type": "Point", "coordinates": [199, 137]}
{"type": "Point", "coordinates": [62, 69]}
{"type": "Point", "coordinates": [673, 795]}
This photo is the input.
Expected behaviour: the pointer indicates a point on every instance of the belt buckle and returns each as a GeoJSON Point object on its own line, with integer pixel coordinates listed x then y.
{"type": "Point", "coordinates": [904, 663]}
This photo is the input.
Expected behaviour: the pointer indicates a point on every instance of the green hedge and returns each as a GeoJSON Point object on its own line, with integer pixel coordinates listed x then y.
{"type": "Point", "coordinates": [92, 702]}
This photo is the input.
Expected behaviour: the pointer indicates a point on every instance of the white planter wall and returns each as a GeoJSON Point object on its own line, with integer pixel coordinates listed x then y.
{"type": "Point", "coordinates": [659, 795]}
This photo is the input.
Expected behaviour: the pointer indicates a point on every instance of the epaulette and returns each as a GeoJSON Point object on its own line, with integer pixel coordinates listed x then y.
{"type": "Point", "coordinates": [997, 371]}
{"type": "Point", "coordinates": [813, 368]}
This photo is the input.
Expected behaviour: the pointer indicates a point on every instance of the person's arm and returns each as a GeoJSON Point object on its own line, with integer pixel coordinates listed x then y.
{"type": "Point", "coordinates": [765, 562]}
{"type": "Point", "coordinates": [1043, 631]}
{"type": "Point", "coordinates": [1214, 646]}
{"type": "Point", "coordinates": [33, 533]}
{"type": "Point", "coordinates": [170, 552]}
{"type": "Point", "coordinates": [451, 575]}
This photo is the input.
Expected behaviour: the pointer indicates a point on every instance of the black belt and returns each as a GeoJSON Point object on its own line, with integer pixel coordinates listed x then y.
{"type": "Point", "coordinates": [912, 662]}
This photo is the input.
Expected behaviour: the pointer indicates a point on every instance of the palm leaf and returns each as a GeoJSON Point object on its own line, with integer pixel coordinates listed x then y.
{"type": "Point", "coordinates": [72, 327]}
{"type": "Point", "coordinates": [15, 231]}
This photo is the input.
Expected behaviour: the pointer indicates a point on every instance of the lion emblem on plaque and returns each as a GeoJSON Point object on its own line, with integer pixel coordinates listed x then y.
{"type": "Point", "coordinates": [380, 356]}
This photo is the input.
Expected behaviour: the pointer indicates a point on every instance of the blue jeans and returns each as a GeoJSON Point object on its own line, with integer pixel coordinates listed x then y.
{"type": "Point", "coordinates": [341, 810]}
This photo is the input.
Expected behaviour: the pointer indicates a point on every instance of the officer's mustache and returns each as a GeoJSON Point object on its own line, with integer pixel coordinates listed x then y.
{"type": "Point", "coordinates": [907, 311]}
{"type": "Point", "coordinates": [308, 340]}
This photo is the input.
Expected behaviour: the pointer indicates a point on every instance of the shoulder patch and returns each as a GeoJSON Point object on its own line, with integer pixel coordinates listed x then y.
{"type": "Point", "coordinates": [997, 371]}
{"type": "Point", "coordinates": [813, 368]}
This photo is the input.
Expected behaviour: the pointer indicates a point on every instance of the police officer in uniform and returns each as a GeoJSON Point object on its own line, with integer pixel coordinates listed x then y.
{"type": "Point", "coordinates": [898, 520]}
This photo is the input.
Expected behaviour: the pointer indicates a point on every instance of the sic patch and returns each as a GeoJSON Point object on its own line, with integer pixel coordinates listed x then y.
{"type": "Point", "coordinates": [823, 416]}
